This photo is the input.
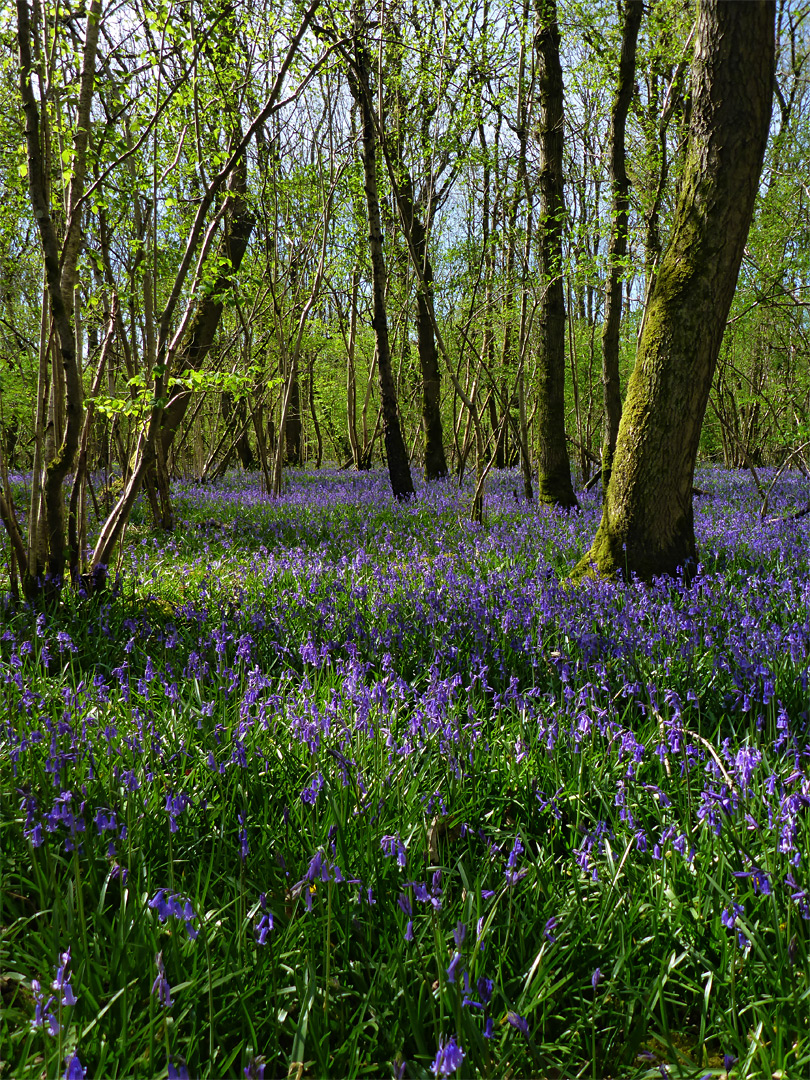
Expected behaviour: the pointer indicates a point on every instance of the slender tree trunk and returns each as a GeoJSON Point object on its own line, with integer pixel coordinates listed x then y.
{"type": "Point", "coordinates": [617, 247]}
{"type": "Point", "coordinates": [488, 337]}
{"type": "Point", "coordinates": [435, 460]}
{"type": "Point", "coordinates": [647, 523]}
{"type": "Point", "coordinates": [351, 375]}
{"type": "Point", "coordinates": [314, 414]}
{"type": "Point", "coordinates": [292, 421]}
{"type": "Point", "coordinates": [242, 444]}
{"type": "Point", "coordinates": [554, 469]}
{"type": "Point", "coordinates": [396, 452]}
{"type": "Point", "coordinates": [205, 322]}
{"type": "Point", "coordinates": [60, 268]}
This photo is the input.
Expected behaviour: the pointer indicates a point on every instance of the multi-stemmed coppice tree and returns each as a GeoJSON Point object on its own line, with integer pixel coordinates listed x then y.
{"type": "Point", "coordinates": [190, 309]}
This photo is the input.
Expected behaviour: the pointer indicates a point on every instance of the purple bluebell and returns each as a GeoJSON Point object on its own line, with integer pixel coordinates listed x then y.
{"type": "Point", "coordinates": [263, 928]}
{"type": "Point", "coordinates": [160, 987]}
{"type": "Point", "coordinates": [43, 1014]}
{"type": "Point", "coordinates": [518, 1022]}
{"type": "Point", "coordinates": [453, 967]}
{"type": "Point", "coordinates": [74, 1070]}
{"type": "Point", "coordinates": [61, 983]}
{"type": "Point", "coordinates": [448, 1058]}
{"type": "Point", "coordinates": [393, 845]}
{"type": "Point", "coordinates": [254, 1070]}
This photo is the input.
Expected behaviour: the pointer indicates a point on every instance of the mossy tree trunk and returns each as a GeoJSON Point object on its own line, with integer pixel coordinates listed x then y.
{"type": "Point", "coordinates": [554, 485]}
{"type": "Point", "coordinates": [617, 247]}
{"type": "Point", "coordinates": [647, 522]}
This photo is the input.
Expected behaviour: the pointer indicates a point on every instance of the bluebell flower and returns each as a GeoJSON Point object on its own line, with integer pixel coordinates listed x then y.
{"type": "Point", "coordinates": [62, 981]}
{"type": "Point", "coordinates": [254, 1070]}
{"type": "Point", "coordinates": [518, 1022]}
{"type": "Point", "coordinates": [74, 1070]}
{"type": "Point", "coordinates": [729, 915]}
{"type": "Point", "coordinates": [453, 967]}
{"type": "Point", "coordinates": [160, 986]}
{"type": "Point", "coordinates": [43, 1014]}
{"type": "Point", "coordinates": [393, 844]}
{"type": "Point", "coordinates": [244, 847]}
{"type": "Point", "coordinates": [263, 928]}
{"type": "Point", "coordinates": [448, 1058]}
{"type": "Point", "coordinates": [169, 904]}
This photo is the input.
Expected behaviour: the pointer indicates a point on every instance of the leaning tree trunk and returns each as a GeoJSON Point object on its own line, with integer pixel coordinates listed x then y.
{"type": "Point", "coordinates": [206, 320]}
{"type": "Point", "coordinates": [554, 485]}
{"type": "Point", "coordinates": [399, 469]}
{"type": "Point", "coordinates": [617, 248]}
{"type": "Point", "coordinates": [647, 524]}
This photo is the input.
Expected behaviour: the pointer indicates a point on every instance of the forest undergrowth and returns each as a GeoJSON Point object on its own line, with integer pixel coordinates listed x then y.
{"type": "Point", "coordinates": [328, 786]}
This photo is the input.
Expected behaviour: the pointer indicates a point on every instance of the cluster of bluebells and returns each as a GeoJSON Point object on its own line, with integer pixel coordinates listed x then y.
{"type": "Point", "coordinates": [171, 905]}
{"type": "Point", "coordinates": [44, 1015]}
{"type": "Point", "coordinates": [265, 923]}
{"type": "Point", "coordinates": [322, 868]}
{"type": "Point", "coordinates": [432, 646]}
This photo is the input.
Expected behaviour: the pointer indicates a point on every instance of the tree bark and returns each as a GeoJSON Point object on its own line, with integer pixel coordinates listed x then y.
{"type": "Point", "coordinates": [647, 523]}
{"type": "Point", "coordinates": [207, 317]}
{"type": "Point", "coordinates": [554, 485]}
{"type": "Point", "coordinates": [435, 460]}
{"type": "Point", "coordinates": [396, 452]}
{"type": "Point", "coordinates": [292, 421]}
{"type": "Point", "coordinates": [617, 247]}
{"type": "Point", "coordinates": [60, 279]}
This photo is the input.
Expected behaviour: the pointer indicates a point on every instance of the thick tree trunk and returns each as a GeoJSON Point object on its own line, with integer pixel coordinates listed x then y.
{"type": "Point", "coordinates": [396, 452]}
{"type": "Point", "coordinates": [554, 469]}
{"type": "Point", "coordinates": [647, 523]}
{"type": "Point", "coordinates": [617, 247]}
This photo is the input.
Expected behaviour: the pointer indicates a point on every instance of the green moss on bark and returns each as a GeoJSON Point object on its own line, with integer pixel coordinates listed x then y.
{"type": "Point", "coordinates": [554, 488]}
